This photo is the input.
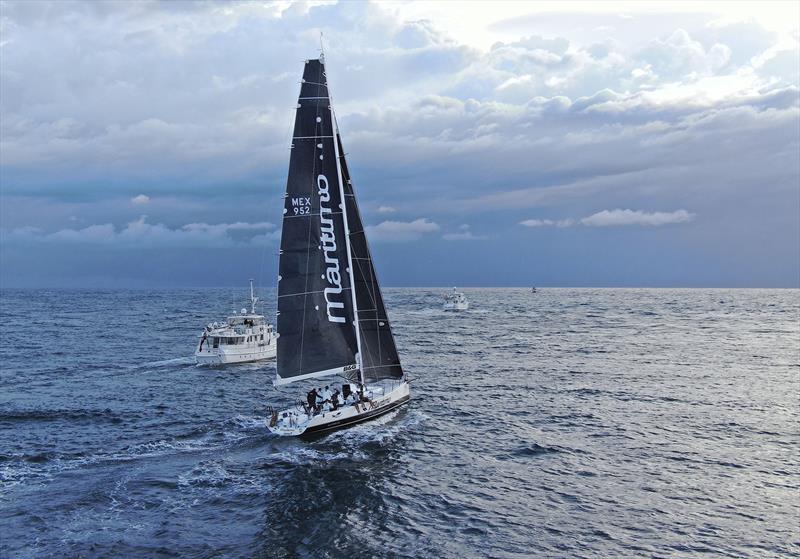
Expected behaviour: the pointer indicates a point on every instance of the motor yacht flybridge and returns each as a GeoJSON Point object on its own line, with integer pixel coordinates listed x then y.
{"type": "Point", "coordinates": [242, 338]}
{"type": "Point", "coordinates": [332, 320]}
{"type": "Point", "coordinates": [455, 301]}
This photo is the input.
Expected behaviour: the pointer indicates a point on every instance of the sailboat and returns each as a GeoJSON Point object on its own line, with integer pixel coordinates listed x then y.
{"type": "Point", "coordinates": [332, 320]}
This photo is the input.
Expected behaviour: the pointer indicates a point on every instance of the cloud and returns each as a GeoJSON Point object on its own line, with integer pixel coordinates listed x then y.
{"type": "Point", "coordinates": [548, 223]}
{"type": "Point", "coordinates": [464, 234]}
{"type": "Point", "coordinates": [401, 231]}
{"type": "Point", "coordinates": [140, 200]}
{"type": "Point", "coordinates": [187, 103]}
{"type": "Point", "coordinates": [610, 218]}
{"type": "Point", "coordinates": [522, 100]}
{"type": "Point", "coordinates": [140, 234]}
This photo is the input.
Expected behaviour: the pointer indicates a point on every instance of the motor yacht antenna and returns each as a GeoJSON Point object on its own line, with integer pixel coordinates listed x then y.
{"type": "Point", "coordinates": [253, 299]}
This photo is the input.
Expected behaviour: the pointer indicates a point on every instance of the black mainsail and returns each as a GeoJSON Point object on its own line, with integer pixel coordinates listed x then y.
{"type": "Point", "coordinates": [315, 309]}
{"type": "Point", "coordinates": [331, 316]}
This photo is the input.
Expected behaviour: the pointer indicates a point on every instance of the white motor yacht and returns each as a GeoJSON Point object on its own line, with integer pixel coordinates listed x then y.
{"type": "Point", "coordinates": [242, 338]}
{"type": "Point", "coordinates": [455, 301]}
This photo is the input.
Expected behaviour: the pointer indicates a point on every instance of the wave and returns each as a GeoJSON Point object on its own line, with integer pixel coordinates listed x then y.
{"type": "Point", "coordinates": [536, 449]}
{"type": "Point", "coordinates": [42, 466]}
{"type": "Point", "coordinates": [60, 415]}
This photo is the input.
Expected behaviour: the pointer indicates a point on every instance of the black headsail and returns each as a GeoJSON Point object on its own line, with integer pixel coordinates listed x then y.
{"type": "Point", "coordinates": [315, 304]}
{"type": "Point", "coordinates": [379, 358]}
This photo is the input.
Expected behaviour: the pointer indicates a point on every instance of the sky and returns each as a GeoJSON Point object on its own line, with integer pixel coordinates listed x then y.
{"type": "Point", "coordinates": [657, 144]}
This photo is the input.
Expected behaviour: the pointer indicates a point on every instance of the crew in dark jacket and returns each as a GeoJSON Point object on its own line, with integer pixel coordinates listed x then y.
{"type": "Point", "coordinates": [311, 398]}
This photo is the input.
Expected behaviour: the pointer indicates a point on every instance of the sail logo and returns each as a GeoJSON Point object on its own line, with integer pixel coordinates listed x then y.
{"type": "Point", "coordinates": [328, 240]}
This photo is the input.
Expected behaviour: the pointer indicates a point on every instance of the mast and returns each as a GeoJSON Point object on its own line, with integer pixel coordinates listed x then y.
{"type": "Point", "coordinates": [346, 225]}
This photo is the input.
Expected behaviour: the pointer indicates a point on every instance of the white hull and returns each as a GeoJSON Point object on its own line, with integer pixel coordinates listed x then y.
{"type": "Point", "coordinates": [217, 356]}
{"type": "Point", "coordinates": [295, 422]}
{"type": "Point", "coordinates": [456, 306]}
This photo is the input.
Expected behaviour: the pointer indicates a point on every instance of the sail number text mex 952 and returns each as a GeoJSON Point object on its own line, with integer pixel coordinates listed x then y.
{"type": "Point", "coordinates": [301, 206]}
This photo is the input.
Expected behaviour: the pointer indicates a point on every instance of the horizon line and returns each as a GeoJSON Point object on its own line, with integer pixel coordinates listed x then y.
{"type": "Point", "coordinates": [447, 286]}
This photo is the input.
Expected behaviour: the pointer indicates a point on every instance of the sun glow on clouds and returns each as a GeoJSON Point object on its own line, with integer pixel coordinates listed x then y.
{"type": "Point", "coordinates": [481, 24]}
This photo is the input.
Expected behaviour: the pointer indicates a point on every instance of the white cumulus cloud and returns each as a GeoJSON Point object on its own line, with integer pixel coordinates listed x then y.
{"type": "Point", "coordinates": [140, 233]}
{"type": "Point", "coordinates": [141, 199]}
{"type": "Point", "coordinates": [548, 222]}
{"type": "Point", "coordinates": [400, 231]}
{"type": "Point", "coordinates": [464, 234]}
{"type": "Point", "coordinates": [610, 218]}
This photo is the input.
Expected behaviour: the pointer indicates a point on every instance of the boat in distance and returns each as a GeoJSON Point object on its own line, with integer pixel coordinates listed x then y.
{"type": "Point", "coordinates": [332, 321]}
{"type": "Point", "coordinates": [455, 301]}
{"type": "Point", "coordinates": [242, 338]}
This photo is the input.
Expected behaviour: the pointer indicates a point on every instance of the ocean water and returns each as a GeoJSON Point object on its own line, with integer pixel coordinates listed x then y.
{"type": "Point", "coordinates": [567, 423]}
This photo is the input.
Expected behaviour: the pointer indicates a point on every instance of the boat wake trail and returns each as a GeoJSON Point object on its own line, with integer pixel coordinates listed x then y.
{"type": "Point", "coordinates": [165, 363]}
